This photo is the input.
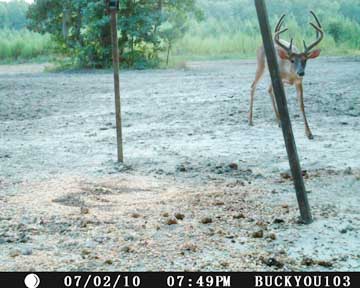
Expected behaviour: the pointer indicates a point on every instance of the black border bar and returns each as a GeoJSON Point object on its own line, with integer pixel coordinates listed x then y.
{"type": "Point", "coordinates": [183, 280]}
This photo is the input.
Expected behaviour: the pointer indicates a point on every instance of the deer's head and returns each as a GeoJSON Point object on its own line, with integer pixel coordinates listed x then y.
{"type": "Point", "coordinates": [298, 60]}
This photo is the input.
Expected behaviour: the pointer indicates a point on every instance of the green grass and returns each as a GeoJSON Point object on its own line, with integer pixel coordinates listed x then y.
{"type": "Point", "coordinates": [207, 40]}
{"type": "Point", "coordinates": [241, 45]}
{"type": "Point", "coordinates": [235, 38]}
{"type": "Point", "coordinates": [224, 45]}
{"type": "Point", "coordinates": [23, 46]}
{"type": "Point", "coordinates": [229, 47]}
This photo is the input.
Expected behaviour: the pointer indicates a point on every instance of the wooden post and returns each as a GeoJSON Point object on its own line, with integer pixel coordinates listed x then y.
{"type": "Point", "coordinates": [113, 8]}
{"type": "Point", "coordinates": [283, 111]}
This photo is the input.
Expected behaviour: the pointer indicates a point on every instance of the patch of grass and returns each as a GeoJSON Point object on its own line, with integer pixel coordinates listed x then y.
{"type": "Point", "coordinates": [24, 46]}
{"type": "Point", "coordinates": [231, 31]}
{"type": "Point", "coordinates": [218, 46]}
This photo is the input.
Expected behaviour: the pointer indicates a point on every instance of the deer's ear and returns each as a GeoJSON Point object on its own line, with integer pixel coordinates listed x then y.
{"type": "Point", "coordinates": [314, 54]}
{"type": "Point", "coordinates": [283, 54]}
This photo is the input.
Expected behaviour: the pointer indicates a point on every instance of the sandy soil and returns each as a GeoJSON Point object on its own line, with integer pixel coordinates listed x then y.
{"type": "Point", "coordinates": [66, 205]}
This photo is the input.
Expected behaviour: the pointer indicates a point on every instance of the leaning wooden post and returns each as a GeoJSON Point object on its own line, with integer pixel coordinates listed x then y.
{"type": "Point", "coordinates": [113, 9]}
{"type": "Point", "coordinates": [283, 111]}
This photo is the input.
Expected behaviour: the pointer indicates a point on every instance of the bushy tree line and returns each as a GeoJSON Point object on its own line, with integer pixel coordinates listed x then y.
{"type": "Point", "coordinates": [81, 28]}
{"type": "Point", "coordinates": [231, 27]}
{"type": "Point", "coordinates": [23, 45]}
{"type": "Point", "coordinates": [154, 29]}
{"type": "Point", "coordinates": [13, 14]}
{"type": "Point", "coordinates": [16, 42]}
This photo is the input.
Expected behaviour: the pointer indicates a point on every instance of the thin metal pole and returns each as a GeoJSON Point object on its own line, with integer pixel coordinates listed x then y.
{"type": "Point", "coordinates": [115, 50]}
{"type": "Point", "coordinates": [283, 111]}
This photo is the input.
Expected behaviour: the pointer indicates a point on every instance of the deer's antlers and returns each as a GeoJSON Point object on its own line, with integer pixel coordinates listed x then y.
{"type": "Point", "coordinates": [278, 32]}
{"type": "Point", "coordinates": [319, 34]}
{"type": "Point", "coordinates": [317, 27]}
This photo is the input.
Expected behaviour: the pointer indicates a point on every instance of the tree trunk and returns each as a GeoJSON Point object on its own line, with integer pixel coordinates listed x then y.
{"type": "Point", "coordinates": [78, 27]}
{"type": "Point", "coordinates": [132, 51]}
{"type": "Point", "coordinates": [168, 54]}
{"type": "Point", "coordinates": [65, 21]}
{"type": "Point", "coordinates": [159, 8]}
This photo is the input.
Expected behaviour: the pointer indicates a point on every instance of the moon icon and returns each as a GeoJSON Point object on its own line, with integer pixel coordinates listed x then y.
{"type": "Point", "coordinates": [32, 281]}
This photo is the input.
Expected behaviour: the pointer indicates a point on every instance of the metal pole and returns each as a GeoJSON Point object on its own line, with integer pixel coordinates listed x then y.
{"type": "Point", "coordinates": [115, 52]}
{"type": "Point", "coordinates": [283, 111]}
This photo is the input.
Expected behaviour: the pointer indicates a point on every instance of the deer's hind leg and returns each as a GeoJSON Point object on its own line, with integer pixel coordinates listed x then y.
{"type": "Point", "coordinates": [259, 73]}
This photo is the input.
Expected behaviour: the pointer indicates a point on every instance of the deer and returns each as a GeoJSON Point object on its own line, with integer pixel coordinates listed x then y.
{"type": "Point", "coordinates": [292, 66]}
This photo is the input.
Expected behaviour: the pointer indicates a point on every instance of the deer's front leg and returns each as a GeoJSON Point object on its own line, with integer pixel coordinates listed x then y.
{"type": "Point", "coordinates": [253, 88]}
{"type": "Point", "coordinates": [300, 92]}
{"type": "Point", "coordinates": [272, 96]}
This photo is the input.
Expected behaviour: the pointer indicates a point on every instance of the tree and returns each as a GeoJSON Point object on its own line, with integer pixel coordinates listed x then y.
{"type": "Point", "coordinates": [81, 28]}
{"type": "Point", "coordinates": [13, 14]}
{"type": "Point", "coordinates": [3, 15]}
{"type": "Point", "coordinates": [175, 25]}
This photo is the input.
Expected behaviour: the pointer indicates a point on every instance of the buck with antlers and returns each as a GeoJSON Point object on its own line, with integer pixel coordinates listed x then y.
{"type": "Point", "coordinates": [292, 67]}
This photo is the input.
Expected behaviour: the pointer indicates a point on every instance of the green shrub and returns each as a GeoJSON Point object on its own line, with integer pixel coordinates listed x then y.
{"type": "Point", "coordinates": [23, 45]}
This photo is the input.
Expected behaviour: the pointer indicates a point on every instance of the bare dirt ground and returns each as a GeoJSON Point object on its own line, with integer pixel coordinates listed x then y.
{"type": "Point", "coordinates": [201, 190]}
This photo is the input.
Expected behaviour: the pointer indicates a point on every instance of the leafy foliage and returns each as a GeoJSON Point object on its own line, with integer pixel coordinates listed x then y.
{"type": "Point", "coordinates": [13, 14]}
{"type": "Point", "coordinates": [231, 28]}
{"type": "Point", "coordinates": [150, 30]}
{"type": "Point", "coordinates": [16, 43]}
{"type": "Point", "coordinates": [23, 45]}
{"type": "Point", "coordinates": [81, 28]}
